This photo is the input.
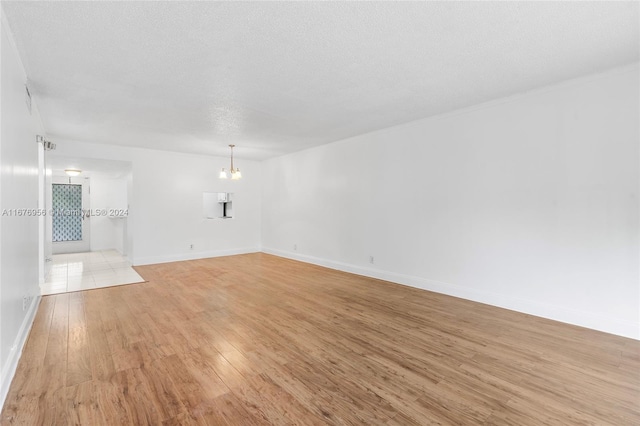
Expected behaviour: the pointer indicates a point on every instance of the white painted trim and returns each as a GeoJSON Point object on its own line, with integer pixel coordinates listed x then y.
{"type": "Point", "coordinates": [557, 313]}
{"type": "Point", "coordinates": [9, 368]}
{"type": "Point", "coordinates": [151, 260]}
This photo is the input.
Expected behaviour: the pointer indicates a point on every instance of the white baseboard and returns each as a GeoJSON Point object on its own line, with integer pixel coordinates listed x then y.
{"type": "Point", "coordinates": [9, 368]}
{"type": "Point", "coordinates": [558, 313]}
{"type": "Point", "coordinates": [151, 260]}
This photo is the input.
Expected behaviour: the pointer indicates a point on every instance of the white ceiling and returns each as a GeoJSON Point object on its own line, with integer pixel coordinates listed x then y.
{"type": "Point", "coordinates": [279, 77]}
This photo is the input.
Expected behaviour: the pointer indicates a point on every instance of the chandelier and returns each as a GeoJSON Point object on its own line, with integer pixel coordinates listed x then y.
{"type": "Point", "coordinates": [235, 173]}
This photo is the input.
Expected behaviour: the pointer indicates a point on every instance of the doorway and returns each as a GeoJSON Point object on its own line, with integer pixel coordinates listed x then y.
{"type": "Point", "coordinates": [87, 238]}
{"type": "Point", "coordinates": [70, 215]}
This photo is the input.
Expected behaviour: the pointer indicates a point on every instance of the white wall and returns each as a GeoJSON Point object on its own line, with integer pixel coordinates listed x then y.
{"type": "Point", "coordinates": [19, 248]}
{"type": "Point", "coordinates": [529, 203]}
{"type": "Point", "coordinates": [106, 194]}
{"type": "Point", "coordinates": [165, 212]}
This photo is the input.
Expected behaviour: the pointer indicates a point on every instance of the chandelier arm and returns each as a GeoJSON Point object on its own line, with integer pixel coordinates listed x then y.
{"type": "Point", "coordinates": [235, 173]}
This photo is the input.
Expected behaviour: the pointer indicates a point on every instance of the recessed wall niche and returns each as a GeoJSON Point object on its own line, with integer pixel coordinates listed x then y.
{"type": "Point", "coordinates": [217, 205]}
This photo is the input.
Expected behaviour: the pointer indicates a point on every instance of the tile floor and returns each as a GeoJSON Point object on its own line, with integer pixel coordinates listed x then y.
{"type": "Point", "coordinates": [85, 271]}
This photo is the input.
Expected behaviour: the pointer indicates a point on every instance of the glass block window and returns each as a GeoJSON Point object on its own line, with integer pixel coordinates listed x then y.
{"type": "Point", "coordinates": [67, 212]}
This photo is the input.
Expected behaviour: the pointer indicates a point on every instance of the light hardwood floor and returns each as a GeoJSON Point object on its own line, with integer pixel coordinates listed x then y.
{"type": "Point", "coordinates": [256, 339]}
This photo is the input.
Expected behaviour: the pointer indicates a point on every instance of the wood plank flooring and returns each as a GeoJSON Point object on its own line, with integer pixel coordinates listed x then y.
{"type": "Point", "coordinates": [256, 339]}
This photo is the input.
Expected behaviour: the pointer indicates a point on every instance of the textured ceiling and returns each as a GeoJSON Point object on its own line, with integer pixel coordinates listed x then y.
{"type": "Point", "coordinates": [90, 167]}
{"type": "Point", "coordinates": [279, 77]}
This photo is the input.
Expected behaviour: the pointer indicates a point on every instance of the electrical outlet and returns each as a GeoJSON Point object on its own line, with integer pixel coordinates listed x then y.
{"type": "Point", "coordinates": [191, 246]}
{"type": "Point", "coordinates": [295, 247]}
{"type": "Point", "coordinates": [371, 259]}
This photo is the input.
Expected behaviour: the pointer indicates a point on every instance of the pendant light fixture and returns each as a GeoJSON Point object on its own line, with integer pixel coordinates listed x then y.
{"type": "Point", "coordinates": [235, 173]}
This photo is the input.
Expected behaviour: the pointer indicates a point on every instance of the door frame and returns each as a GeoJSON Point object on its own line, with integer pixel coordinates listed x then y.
{"type": "Point", "coordinates": [84, 245]}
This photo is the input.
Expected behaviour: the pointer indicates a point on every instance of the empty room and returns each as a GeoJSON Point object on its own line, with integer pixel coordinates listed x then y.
{"type": "Point", "coordinates": [310, 213]}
